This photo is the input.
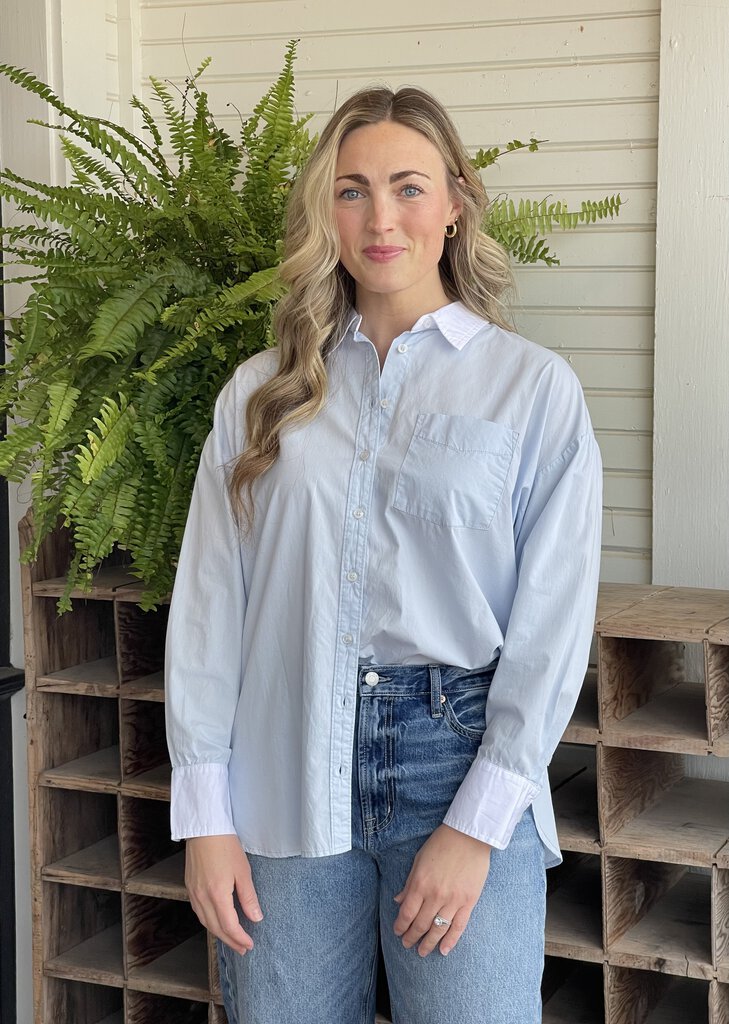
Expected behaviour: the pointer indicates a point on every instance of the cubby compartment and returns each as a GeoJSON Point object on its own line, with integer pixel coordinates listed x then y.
{"type": "Point", "coordinates": [583, 726]}
{"type": "Point", "coordinates": [167, 950]}
{"type": "Point", "coordinates": [146, 1008]}
{"type": "Point", "coordinates": [647, 997]}
{"type": "Point", "coordinates": [75, 1002]}
{"type": "Point", "coordinates": [573, 781]}
{"type": "Point", "coordinates": [572, 992]}
{"type": "Point", "coordinates": [79, 743]}
{"type": "Point", "coordinates": [658, 917]}
{"type": "Point", "coordinates": [141, 645]}
{"type": "Point", "coordinates": [77, 652]}
{"type": "Point", "coordinates": [574, 911]}
{"type": "Point", "coordinates": [80, 844]}
{"type": "Point", "coordinates": [146, 770]}
{"type": "Point", "coordinates": [154, 865]}
{"type": "Point", "coordinates": [651, 810]}
{"type": "Point", "coordinates": [720, 917]}
{"type": "Point", "coordinates": [83, 937]}
{"type": "Point", "coordinates": [664, 674]}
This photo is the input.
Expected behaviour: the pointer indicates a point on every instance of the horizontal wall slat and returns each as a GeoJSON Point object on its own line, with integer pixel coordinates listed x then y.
{"type": "Point", "coordinates": [626, 529]}
{"type": "Point", "coordinates": [623, 449]}
{"type": "Point", "coordinates": [565, 328]}
{"type": "Point", "coordinates": [623, 489]}
{"type": "Point", "coordinates": [624, 410]}
{"type": "Point", "coordinates": [625, 567]}
{"type": "Point", "coordinates": [585, 287]}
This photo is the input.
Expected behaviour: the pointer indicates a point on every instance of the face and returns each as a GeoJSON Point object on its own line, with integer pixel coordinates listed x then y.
{"type": "Point", "coordinates": [392, 205]}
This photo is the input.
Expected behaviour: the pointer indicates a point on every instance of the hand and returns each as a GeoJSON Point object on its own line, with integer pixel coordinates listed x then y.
{"type": "Point", "coordinates": [447, 877]}
{"type": "Point", "coordinates": [215, 867]}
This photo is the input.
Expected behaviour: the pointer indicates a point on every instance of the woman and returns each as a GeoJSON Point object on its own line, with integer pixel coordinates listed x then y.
{"type": "Point", "coordinates": [383, 606]}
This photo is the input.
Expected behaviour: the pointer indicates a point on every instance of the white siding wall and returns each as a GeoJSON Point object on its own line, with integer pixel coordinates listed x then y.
{"type": "Point", "coordinates": [582, 74]}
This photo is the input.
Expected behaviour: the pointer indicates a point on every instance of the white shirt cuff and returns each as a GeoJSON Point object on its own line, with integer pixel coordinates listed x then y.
{"type": "Point", "coordinates": [200, 801]}
{"type": "Point", "coordinates": [490, 802]}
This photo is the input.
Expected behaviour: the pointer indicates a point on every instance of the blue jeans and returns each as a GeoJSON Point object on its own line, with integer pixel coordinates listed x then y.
{"type": "Point", "coordinates": [315, 955]}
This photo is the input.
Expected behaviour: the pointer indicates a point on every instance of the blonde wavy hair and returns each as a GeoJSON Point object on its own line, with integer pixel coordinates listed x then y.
{"type": "Point", "coordinates": [311, 317]}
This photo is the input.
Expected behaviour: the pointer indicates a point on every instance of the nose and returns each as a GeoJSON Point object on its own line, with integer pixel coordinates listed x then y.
{"type": "Point", "coordinates": [379, 214]}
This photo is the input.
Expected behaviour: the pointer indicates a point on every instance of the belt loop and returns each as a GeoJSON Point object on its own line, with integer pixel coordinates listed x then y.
{"type": "Point", "coordinates": [436, 708]}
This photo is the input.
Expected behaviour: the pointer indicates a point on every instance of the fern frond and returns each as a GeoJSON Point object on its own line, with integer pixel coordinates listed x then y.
{"type": "Point", "coordinates": [121, 320]}
{"type": "Point", "coordinates": [105, 446]}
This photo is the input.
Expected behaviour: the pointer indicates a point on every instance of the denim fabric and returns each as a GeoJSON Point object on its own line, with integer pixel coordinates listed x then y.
{"type": "Point", "coordinates": [314, 962]}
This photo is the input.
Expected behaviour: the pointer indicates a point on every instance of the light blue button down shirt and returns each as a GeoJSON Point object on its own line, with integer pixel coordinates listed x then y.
{"type": "Point", "coordinates": [445, 509]}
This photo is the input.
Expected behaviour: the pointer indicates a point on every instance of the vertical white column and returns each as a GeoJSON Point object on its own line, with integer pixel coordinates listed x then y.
{"type": "Point", "coordinates": [691, 418]}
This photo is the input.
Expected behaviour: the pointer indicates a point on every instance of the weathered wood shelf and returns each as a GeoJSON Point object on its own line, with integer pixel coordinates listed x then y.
{"type": "Point", "coordinates": [97, 866]}
{"type": "Point", "coordinates": [637, 913]}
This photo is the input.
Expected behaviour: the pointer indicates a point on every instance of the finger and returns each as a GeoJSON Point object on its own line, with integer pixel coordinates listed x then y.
{"type": "Point", "coordinates": [437, 932]}
{"type": "Point", "coordinates": [230, 929]}
{"type": "Point", "coordinates": [248, 898]}
{"type": "Point", "coordinates": [456, 930]}
{"type": "Point", "coordinates": [421, 923]}
{"type": "Point", "coordinates": [409, 909]}
{"type": "Point", "coordinates": [220, 918]}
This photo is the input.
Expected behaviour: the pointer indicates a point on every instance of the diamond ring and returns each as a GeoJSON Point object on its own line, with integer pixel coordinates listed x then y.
{"type": "Point", "coordinates": [440, 922]}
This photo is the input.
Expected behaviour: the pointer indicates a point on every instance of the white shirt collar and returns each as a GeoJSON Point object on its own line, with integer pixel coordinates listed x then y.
{"type": "Point", "coordinates": [455, 322]}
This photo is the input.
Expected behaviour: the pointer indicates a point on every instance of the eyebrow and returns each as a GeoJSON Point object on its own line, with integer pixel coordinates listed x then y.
{"type": "Point", "coordinates": [397, 176]}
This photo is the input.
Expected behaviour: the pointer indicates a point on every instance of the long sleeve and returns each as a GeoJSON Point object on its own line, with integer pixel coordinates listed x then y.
{"type": "Point", "coordinates": [546, 645]}
{"type": "Point", "coordinates": [203, 643]}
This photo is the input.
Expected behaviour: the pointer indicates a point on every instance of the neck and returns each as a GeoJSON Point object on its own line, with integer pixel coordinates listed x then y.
{"type": "Point", "coordinates": [384, 317]}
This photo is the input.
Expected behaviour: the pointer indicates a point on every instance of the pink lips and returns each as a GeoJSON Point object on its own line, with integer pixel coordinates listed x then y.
{"type": "Point", "coordinates": [382, 253]}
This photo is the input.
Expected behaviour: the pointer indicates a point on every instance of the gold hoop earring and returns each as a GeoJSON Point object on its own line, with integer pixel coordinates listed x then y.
{"type": "Point", "coordinates": [451, 230]}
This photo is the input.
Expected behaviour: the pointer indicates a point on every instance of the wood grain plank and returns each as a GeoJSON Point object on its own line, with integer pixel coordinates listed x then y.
{"type": "Point", "coordinates": [151, 785]}
{"type": "Point", "coordinates": [107, 579]}
{"type": "Point", "coordinates": [165, 879]}
{"type": "Point", "coordinates": [674, 935]}
{"type": "Point", "coordinates": [98, 959]}
{"type": "Point", "coordinates": [676, 613]}
{"type": "Point", "coordinates": [97, 678]}
{"type": "Point", "coordinates": [629, 781]}
{"type": "Point", "coordinates": [97, 772]}
{"type": "Point", "coordinates": [689, 825]}
{"type": "Point", "coordinates": [182, 971]}
{"type": "Point", "coordinates": [720, 918]}
{"type": "Point", "coordinates": [719, 1002]}
{"type": "Point", "coordinates": [716, 662]}
{"type": "Point", "coordinates": [675, 720]}
{"type": "Point", "coordinates": [719, 632]}
{"type": "Point", "coordinates": [630, 996]}
{"type": "Point", "coordinates": [632, 887]}
{"type": "Point", "coordinates": [97, 866]}
{"type": "Point", "coordinates": [149, 687]}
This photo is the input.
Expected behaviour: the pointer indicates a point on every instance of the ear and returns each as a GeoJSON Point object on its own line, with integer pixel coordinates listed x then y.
{"type": "Point", "coordinates": [457, 202]}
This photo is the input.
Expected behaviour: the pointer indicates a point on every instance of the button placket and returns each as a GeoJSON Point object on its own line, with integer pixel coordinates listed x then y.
{"type": "Point", "coordinates": [354, 550]}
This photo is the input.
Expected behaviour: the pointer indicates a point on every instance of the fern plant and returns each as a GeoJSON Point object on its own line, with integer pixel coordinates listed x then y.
{"type": "Point", "coordinates": [151, 279]}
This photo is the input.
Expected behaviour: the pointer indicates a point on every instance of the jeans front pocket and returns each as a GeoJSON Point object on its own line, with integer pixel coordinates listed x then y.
{"type": "Point", "coordinates": [455, 469]}
{"type": "Point", "coordinates": [465, 711]}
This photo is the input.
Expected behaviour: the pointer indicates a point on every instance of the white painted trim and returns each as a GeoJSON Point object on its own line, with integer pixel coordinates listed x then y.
{"type": "Point", "coordinates": [691, 416]}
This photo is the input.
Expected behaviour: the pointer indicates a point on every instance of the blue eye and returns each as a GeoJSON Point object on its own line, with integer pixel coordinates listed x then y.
{"type": "Point", "coordinates": [412, 190]}
{"type": "Point", "coordinates": [350, 193]}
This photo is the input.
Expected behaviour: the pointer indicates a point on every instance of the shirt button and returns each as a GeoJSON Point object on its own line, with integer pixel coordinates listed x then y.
{"type": "Point", "coordinates": [372, 679]}
{"type": "Point", "coordinates": [384, 403]}
{"type": "Point", "coordinates": [352, 575]}
{"type": "Point", "coordinates": [402, 347]}
{"type": "Point", "coordinates": [358, 513]}
{"type": "Point", "coordinates": [347, 638]}
{"type": "Point", "coordinates": [364, 454]}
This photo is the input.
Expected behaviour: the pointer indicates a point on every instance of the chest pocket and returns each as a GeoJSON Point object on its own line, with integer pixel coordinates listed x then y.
{"type": "Point", "coordinates": [455, 470]}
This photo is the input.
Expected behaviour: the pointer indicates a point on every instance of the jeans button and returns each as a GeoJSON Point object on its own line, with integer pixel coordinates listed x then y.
{"type": "Point", "coordinates": [372, 679]}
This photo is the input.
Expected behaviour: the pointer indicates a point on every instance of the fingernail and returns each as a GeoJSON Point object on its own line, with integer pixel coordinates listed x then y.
{"type": "Point", "coordinates": [445, 952]}
{"type": "Point", "coordinates": [257, 915]}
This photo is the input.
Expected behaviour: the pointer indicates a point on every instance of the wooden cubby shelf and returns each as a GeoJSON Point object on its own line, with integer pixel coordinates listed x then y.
{"type": "Point", "coordinates": [637, 914]}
